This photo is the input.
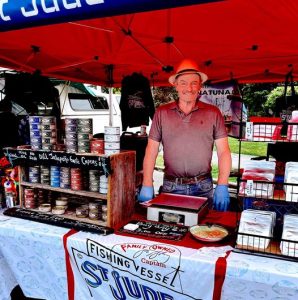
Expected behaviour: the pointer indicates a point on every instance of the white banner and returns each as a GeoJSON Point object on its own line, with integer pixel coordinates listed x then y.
{"type": "Point", "coordinates": [118, 267]}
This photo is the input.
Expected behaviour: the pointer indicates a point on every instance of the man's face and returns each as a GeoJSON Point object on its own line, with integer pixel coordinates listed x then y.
{"type": "Point", "coordinates": [188, 87]}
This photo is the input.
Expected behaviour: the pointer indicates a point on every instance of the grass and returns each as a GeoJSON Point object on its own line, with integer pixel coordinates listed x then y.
{"type": "Point", "coordinates": [247, 148]}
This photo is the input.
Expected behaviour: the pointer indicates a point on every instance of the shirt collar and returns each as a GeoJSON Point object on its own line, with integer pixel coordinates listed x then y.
{"type": "Point", "coordinates": [199, 104]}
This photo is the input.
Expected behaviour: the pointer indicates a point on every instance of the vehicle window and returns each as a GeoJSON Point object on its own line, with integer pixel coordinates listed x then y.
{"type": "Point", "coordinates": [44, 109]}
{"type": "Point", "coordinates": [87, 102]}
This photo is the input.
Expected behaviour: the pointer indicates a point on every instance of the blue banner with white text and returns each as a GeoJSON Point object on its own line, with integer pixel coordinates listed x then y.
{"type": "Point", "coordinates": [17, 14]}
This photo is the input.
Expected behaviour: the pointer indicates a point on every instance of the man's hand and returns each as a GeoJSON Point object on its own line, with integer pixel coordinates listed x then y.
{"type": "Point", "coordinates": [146, 194]}
{"type": "Point", "coordinates": [221, 198]}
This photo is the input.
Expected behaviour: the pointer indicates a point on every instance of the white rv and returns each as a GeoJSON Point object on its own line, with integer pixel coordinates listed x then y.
{"type": "Point", "coordinates": [87, 102]}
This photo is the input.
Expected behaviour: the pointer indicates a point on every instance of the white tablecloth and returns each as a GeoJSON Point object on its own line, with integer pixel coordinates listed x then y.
{"type": "Point", "coordinates": [119, 267]}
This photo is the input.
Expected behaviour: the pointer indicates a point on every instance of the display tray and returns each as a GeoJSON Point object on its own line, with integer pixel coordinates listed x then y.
{"type": "Point", "coordinates": [157, 230]}
{"type": "Point", "coordinates": [57, 220]}
{"type": "Point", "coordinates": [273, 250]}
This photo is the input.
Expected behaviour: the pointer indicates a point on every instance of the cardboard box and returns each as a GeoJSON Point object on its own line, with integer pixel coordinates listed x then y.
{"type": "Point", "coordinates": [179, 209]}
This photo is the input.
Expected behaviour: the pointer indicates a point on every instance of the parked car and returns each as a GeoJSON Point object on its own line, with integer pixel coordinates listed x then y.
{"type": "Point", "coordinates": [88, 103]}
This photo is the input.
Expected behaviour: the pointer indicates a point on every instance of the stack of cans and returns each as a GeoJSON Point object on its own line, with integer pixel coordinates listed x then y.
{"type": "Point", "coordinates": [94, 211]}
{"type": "Point", "coordinates": [78, 133]}
{"type": "Point", "coordinates": [45, 175]}
{"type": "Point", "coordinates": [76, 181]}
{"type": "Point", "coordinates": [65, 177]}
{"type": "Point", "coordinates": [97, 146]}
{"type": "Point", "coordinates": [82, 211]}
{"type": "Point", "coordinates": [71, 135]}
{"type": "Point", "coordinates": [94, 180]}
{"type": "Point", "coordinates": [55, 176]}
{"type": "Point", "coordinates": [103, 184]}
{"type": "Point", "coordinates": [35, 132]}
{"type": "Point", "coordinates": [41, 196]}
{"type": "Point", "coordinates": [104, 210]}
{"type": "Point", "coordinates": [29, 198]}
{"type": "Point", "coordinates": [34, 174]}
{"type": "Point", "coordinates": [48, 132]}
{"type": "Point", "coordinates": [43, 132]}
{"type": "Point", "coordinates": [84, 135]}
{"type": "Point", "coordinates": [111, 140]}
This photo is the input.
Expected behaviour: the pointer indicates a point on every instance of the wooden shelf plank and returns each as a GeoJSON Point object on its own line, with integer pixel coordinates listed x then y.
{"type": "Point", "coordinates": [66, 191]}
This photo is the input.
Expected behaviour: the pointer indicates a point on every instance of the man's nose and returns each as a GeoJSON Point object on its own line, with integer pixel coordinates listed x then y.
{"type": "Point", "coordinates": [189, 86]}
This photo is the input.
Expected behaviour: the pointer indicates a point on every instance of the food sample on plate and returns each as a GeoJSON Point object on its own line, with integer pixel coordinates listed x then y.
{"type": "Point", "coordinates": [209, 233]}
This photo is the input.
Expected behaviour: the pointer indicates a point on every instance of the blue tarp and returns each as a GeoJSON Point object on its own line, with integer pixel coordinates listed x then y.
{"type": "Point", "coordinates": [16, 14]}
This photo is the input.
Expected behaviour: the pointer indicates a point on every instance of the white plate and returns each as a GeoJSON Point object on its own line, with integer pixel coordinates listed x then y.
{"type": "Point", "coordinates": [208, 233]}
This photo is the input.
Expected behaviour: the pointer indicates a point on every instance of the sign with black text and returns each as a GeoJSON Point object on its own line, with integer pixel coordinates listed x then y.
{"type": "Point", "coordinates": [62, 159]}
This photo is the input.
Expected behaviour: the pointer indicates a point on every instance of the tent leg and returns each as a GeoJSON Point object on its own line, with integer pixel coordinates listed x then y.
{"type": "Point", "coordinates": [110, 107]}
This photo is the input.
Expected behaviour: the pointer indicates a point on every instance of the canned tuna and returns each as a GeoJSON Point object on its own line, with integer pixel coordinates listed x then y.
{"type": "Point", "coordinates": [35, 133]}
{"type": "Point", "coordinates": [48, 120]}
{"type": "Point", "coordinates": [112, 145]}
{"type": "Point", "coordinates": [69, 121]}
{"type": "Point", "coordinates": [111, 130]}
{"type": "Point", "coordinates": [85, 122]}
{"type": "Point", "coordinates": [112, 138]}
{"type": "Point", "coordinates": [34, 119]}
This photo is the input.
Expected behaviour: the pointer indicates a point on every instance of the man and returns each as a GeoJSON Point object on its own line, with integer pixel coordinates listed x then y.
{"type": "Point", "coordinates": [188, 129]}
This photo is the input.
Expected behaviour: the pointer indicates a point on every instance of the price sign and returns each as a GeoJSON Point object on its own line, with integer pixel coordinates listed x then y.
{"type": "Point", "coordinates": [249, 190]}
{"type": "Point", "coordinates": [249, 131]}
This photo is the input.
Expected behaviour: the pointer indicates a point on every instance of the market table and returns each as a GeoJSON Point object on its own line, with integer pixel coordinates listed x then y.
{"type": "Point", "coordinates": [50, 262]}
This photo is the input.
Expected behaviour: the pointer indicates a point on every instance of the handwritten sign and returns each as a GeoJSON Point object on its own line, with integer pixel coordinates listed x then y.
{"type": "Point", "coordinates": [157, 230]}
{"type": "Point", "coordinates": [62, 159]}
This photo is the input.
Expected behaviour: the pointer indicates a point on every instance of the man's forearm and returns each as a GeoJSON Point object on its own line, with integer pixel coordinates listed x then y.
{"type": "Point", "coordinates": [224, 167]}
{"type": "Point", "coordinates": [149, 162]}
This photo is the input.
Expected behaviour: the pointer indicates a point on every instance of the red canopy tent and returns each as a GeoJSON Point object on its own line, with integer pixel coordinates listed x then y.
{"type": "Point", "coordinates": [251, 41]}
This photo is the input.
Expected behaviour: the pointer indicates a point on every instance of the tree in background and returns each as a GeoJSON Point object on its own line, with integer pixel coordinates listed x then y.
{"type": "Point", "coordinates": [255, 97]}
{"type": "Point", "coordinates": [276, 93]}
{"type": "Point", "coordinates": [163, 95]}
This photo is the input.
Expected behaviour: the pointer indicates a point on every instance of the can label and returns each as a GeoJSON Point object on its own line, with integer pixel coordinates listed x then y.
{"type": "Point", "coordinates": [111, 130]}
{"type": "Point", "coordinates": [69, 121]}
{"type": "Point", "coordinates": [48, 120]}
{"type": "Point", "coordinates": [112, 138]}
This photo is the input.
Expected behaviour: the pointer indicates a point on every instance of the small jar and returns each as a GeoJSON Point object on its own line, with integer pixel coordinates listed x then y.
{"type": "Point", "coordinates": [45, 207]}
{"type": "Point", "coordinates": [81, 212]}
{"type": "Point", "coordinates": [93, 214]}
{"type": "Point", "coordinates": [94, 206]}
{"type": "Point", "coordinates": [104, 217]}
{"type": "Point", "coordinates": [58, 210]}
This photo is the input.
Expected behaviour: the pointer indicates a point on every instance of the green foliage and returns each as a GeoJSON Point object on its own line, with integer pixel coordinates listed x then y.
{"type": "Point", "coordinates": [276, 93]}
{"type": "Point", "coordinates": [254, 96]}
{"type": "Point", "coordinates": [162, 95]}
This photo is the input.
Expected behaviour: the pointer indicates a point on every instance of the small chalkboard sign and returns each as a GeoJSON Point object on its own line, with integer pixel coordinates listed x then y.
{"type": "Point", "coordinates": [157, 230]}
{"type": "Point", "coordinates": [57, 220]}
{"type": "Point", "coordinates": [58, 158]}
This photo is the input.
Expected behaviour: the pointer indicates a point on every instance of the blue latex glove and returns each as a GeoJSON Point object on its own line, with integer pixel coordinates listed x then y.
{"type": "Point", "coordinates": [221, 198]}
{"type": "Point", "coordinates": [146, 194]}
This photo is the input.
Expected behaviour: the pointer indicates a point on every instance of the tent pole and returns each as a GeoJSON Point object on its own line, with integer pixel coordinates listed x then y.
{"type": "Point", "coordinates": [110, 81]}
{"type": "Point", "coordinates": [110, 106]}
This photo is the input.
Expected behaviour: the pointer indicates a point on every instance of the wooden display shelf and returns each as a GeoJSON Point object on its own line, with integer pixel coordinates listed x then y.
{"type": "Point", "coordinates": [121, 189]}
{"type": "Point", "coordinates": [65, 191]}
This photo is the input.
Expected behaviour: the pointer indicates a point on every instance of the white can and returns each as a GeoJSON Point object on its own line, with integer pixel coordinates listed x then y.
{"type": "Point", "coordinates": [111, 151]}
{"type": "Point", "coordinates": [112, 138]}
{"type": "Point", "coordinates": [111, 130]}
{"type": "Point", "coordinates": [112, 145]}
